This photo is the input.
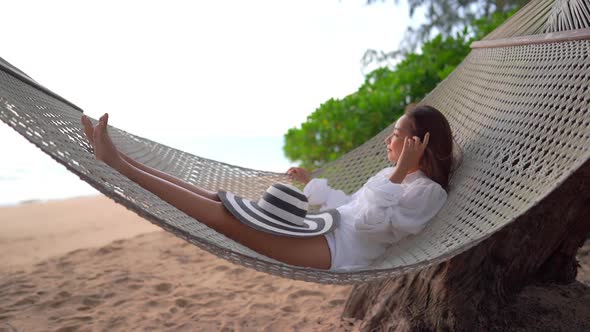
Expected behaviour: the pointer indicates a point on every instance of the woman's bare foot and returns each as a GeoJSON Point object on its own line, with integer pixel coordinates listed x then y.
{"type": "Point", "coordinates": [88, 129]}
{"type": "Point", "coordinates": [98, 136]}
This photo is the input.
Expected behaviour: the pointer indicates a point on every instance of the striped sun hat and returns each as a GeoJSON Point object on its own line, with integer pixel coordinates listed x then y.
{"type": "Point", "coordinates": [282, 210]}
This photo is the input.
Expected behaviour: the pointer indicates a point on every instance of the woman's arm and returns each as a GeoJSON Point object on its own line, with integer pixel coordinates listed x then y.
{"type": "Point", "coordinates": [197, 190]}
{"type": "Point", "coordinates": [317, 190]}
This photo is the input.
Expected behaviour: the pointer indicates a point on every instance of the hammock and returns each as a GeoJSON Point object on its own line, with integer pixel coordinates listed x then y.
{"type": "Point", "coordinates": [518, 106]}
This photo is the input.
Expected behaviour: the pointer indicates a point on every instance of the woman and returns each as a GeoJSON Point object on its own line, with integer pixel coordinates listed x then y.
{"type": "Point", "coordinates": [397, 201]}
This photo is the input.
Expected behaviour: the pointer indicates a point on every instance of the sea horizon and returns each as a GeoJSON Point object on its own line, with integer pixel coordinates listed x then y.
{"type": "Point", "coordinates": [29, 175]}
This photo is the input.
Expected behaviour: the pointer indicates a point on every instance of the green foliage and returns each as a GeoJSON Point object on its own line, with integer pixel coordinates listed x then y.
{"type": "Point", "coordinates": [442, 16]}
{"type": "Point", "coordinates": [339, 125]}
{"type": "Point", "coordinates": [482, 26]}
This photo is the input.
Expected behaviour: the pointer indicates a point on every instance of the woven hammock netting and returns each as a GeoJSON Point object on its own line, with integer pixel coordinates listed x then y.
{"type": "Point", "coordinates": [520, 114]}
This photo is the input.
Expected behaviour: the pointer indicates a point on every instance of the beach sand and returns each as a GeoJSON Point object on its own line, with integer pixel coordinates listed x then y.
{"type": "Point", "coordinates": [88, 264]}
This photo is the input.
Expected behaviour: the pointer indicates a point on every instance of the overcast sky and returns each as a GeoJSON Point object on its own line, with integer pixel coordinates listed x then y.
{"type": "Point", "coordinates": [200, 71]}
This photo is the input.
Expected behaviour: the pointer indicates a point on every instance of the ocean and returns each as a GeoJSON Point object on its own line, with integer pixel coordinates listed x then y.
{"type": "Point", "coordinates": [28, 174]}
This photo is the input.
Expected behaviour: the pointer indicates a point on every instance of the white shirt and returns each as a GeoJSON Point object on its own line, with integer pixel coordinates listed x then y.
{"type": "Point", "coordinates": [378, 214]}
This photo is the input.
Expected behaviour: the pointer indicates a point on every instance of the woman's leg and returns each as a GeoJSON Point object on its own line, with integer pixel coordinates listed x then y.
{"type": "Point", "coordinates": [189, 186]}
{"type": "Point", "coordinates": [308, 252]}
{"type": "Point", "coordinates": [89, 130]}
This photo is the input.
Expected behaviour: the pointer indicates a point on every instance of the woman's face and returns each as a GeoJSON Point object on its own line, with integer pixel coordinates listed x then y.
{"type": "Point", "coordinates": [395, 142]}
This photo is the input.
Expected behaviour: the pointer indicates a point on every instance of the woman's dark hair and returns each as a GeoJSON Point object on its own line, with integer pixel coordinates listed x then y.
{"type": "Point", "coordinates": [437, 161]}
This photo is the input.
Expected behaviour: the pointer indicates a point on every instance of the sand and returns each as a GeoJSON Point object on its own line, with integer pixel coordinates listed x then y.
{"type": "Point", "coordinates": [35, 231]}
{"type": "Point", "coordinates": [88, 264]}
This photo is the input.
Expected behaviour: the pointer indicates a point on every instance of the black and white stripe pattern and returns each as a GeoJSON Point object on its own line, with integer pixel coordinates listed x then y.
{"type": "Point", "coordinates": [282, 210]}
{"type": "Point", "coordinates": [285, 203]}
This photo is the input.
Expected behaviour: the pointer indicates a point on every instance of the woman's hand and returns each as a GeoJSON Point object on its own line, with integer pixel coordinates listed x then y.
{"type": "Point", "coordinates": [99, 138]}
{"type": "Point", "coordinates": [299, 174]}
{"type": "Point", "coordinates": [412, 151]}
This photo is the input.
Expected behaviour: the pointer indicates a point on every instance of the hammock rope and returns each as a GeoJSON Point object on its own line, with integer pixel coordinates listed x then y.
{"type": "Point", "coordinates": [521, 114]}
{"type": "Point", "coordinates": [543, 17]}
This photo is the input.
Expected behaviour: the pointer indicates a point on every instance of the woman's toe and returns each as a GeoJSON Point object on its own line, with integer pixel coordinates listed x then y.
{"type": "Point", "coordinates": [88, 128]}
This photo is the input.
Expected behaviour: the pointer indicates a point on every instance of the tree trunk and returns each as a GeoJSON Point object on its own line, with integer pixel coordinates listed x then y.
{"type": "Point", "coordinates": [473, 291]}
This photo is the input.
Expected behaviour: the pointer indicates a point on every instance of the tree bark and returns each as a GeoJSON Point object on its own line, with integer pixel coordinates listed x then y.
{"type": "Point", "coordinates": [472, 291]}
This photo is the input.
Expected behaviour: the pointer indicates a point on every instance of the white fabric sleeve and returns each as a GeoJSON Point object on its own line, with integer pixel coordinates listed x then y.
{"type": "Point", "coordinates": [318, 192]}
{"type": "Point", "coordinates": [399, 208]}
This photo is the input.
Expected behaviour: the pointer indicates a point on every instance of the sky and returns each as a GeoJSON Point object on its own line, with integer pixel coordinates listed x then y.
{"type": "Point", "coordinates": [220, 79]}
